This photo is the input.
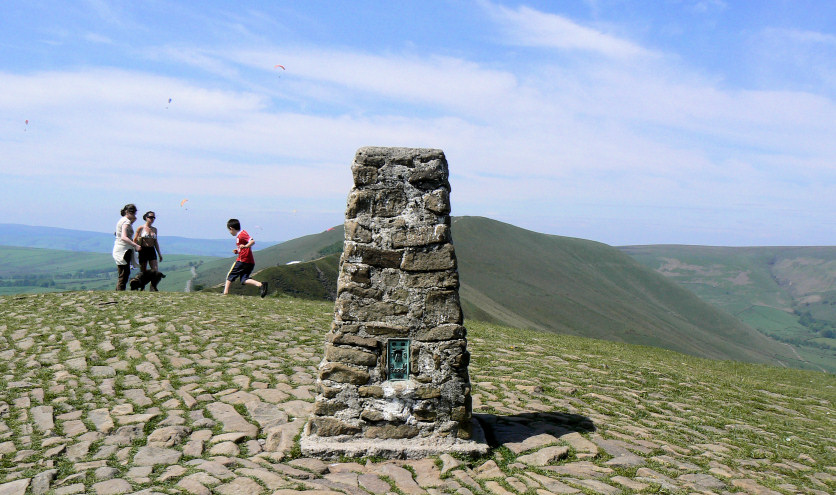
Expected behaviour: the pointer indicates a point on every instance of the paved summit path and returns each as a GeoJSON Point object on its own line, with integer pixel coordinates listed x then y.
{"type": "Point", "coordinates": [111, 393]}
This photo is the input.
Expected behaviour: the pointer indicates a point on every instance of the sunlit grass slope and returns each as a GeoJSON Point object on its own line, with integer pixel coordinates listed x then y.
{"type": "Point", "coordinates": [788, 293]}
{"type": "Point", "coordinates": [513, 276]}
{"type": "Point", "coordinates": [525, 279]}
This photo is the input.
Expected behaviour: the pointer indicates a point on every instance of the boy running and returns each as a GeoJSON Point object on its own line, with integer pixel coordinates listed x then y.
{"type": "Point", "coordinates": [245, 263]}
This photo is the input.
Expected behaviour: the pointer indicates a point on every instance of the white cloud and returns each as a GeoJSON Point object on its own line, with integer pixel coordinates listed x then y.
{"type": "Point", "coordinates": [529, 27]}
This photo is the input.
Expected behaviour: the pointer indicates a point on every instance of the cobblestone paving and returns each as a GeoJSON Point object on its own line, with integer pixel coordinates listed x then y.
{"type": "Point", "coordinates": [110, 393]}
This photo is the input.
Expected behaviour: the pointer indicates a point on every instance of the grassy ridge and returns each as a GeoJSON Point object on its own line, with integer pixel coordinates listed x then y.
{"type": "Point", "coordinates": [524, 279]}
{"type": "Point", "coordinates": [580, 287]}
{"type": "Point", "coordinates": [788, 293]}
{"type": "Point", "coordinates": [48, 270]}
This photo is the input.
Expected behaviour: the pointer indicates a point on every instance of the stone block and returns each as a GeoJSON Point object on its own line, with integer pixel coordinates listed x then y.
{"type": "Point", "coordinates": [460, 413]}
{"type": "Point", "coordinates": [364, 175]}
{"type": "Point", "coordinates": [421, 236]}
{"type": "Point", "coordinates": [342, 373]}
{"type": "Point", "coordinates": [427, 392]}
{"type": "Point", "coordinates": [382, 204]}
{"type": "Point", "coordinates": [360, 292]}
{"type": "Point", "coordinates": [351, 339]}
{"type": "Point", "coordinates": [460, 360]}
{"type": "Point", "coordinates": [331, 427]}
{"type": "Point", "coordinates": [359, 274]}
{"type": "Point", "coordinates": [383, 330]}
{"type": "Point", "coordinates": [438, 201]}
{"type": "Point", "coordinates": [359, 202]}
{"type": "Point", "coordinates": [465, 431]}
{"type": "Point", "coordinates": [371, 415]}
{"type": "Point", "coordinates": [371, 156]}
{"type": "Point", "coordinates": [391, 431]}
{"type": "Point", "coordinates": [380, 258]}
{"type": "Point", "coordinates": [442, 307]}
{"type": "Point", "coordinates": [350, 356]}
{"type": "Point", "coordinates": [339, 327]}
{"type": "Point", "coordinates": [424, 280]}
{"type": "Point", "coordinates": [426, 410]}
{"type": "Point", "coordinates": [370, 391]}
{"type": "Point", "coordinates": [328, 392]}
{"type": "Point", "coordinates": [424, 260]}
{"type": "Point", "coordinates": [328, 407]}
{"type": "Point", "coordinates": [350, 310]}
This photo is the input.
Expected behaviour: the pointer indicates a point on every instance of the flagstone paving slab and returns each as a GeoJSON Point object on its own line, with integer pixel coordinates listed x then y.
{"type": "Point", "coordinates": [196, 393]}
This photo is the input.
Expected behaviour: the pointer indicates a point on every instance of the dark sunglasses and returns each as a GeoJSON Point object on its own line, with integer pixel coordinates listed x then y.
{"type": "Point", "coordinates": [152, 218]}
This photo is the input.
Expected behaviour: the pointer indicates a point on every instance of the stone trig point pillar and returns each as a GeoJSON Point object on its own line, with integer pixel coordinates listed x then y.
{"type": "Point", "coordinates": [394, 381]}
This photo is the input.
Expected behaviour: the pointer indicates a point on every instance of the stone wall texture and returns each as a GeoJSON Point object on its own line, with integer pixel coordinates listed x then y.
{"type": "Point", "coordinates": [398, 279]}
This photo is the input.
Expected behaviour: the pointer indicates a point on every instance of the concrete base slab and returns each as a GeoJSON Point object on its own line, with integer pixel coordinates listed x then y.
{"type": "Point", "coordinates": [405, 448]}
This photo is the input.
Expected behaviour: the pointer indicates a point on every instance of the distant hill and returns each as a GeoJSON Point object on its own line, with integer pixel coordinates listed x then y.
{"type": "Point", "coordinates": [788, 293]}
{"type": "Point", "coordinates": [525, 279]}
{"type": "Point", "coordinates": [102, 242]}
{"type": "Point", "coordinates": [26, 270]}
{"type": "Point", "coordinates": [520, 278]}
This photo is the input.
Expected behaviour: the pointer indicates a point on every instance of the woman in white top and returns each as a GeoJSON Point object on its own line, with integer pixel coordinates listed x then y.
{"type": "Point", "coordinates": [124, 245]}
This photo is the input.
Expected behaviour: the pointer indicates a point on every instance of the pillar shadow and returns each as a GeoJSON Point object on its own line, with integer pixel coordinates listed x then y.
{"type": "Point", "coordinates": [516, 428]}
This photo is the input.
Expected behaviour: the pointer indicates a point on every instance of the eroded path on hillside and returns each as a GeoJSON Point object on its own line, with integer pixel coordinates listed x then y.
{"type": "Point", "coordinates": [198, 393]}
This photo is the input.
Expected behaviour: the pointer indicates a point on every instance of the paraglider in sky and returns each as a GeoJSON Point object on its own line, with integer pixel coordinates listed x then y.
{"type": "Point", "coordinates": [277, 66]}
{"type": "Point", "coordinates": [27, 125]}
{"type": "Point", "coordinates": [169, 103]}
{"type": "Point", "coordinates": [182, 203]}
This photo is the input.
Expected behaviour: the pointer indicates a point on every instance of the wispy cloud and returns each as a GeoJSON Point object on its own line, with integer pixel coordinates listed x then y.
{"type": "Point", "coordinates": [529, 27]}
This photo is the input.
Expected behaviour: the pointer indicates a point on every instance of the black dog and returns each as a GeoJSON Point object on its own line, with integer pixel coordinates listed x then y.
{"type": "Point", "coordinates": [143, 278]}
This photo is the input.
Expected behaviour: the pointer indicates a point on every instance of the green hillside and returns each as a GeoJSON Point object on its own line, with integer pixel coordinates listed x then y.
{"type": "Point", "coordinates": [788, 293]}
{"type": "Point", "coordinates": [173, 393]}
{"type": "Point", "coordinates": [519, 278]}
{"type": "Point", "coordinates": [580, 287]}
{"type": "Point", "coordinates": [24, 270]}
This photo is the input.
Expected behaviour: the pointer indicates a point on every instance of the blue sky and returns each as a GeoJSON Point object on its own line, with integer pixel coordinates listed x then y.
{"type": "Point", "coordinates": [626, 122]}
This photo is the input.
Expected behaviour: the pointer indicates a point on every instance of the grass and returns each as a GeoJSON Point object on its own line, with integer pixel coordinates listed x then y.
{"type": "Point", "coordinates": [523, 279]}
{"type": "Point", "coordinates": [768, 288]}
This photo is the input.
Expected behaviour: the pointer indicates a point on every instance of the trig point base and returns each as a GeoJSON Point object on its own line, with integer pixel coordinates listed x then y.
{"type": "Point", "coordinates": [394, 381]}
